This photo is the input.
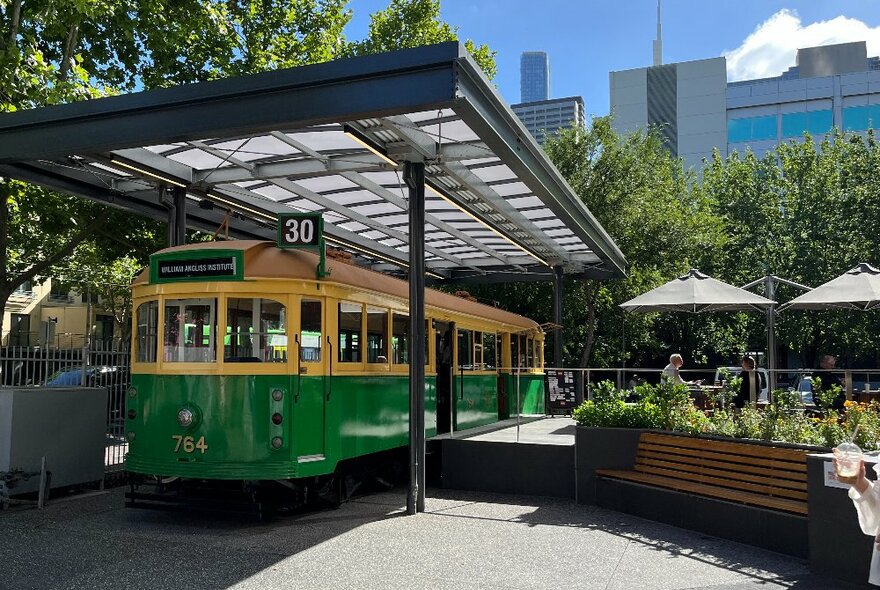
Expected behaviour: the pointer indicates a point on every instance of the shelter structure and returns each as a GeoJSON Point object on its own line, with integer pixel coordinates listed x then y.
{"type": "Point", "coordinates": [414, 161]}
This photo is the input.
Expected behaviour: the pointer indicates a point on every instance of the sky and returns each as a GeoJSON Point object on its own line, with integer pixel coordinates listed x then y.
{"type": "Point", "coordinates": [586, 39]}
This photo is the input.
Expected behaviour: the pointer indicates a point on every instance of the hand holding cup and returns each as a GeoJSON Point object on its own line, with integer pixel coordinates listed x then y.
{"type": "Point", "coordinates": [848, 463]}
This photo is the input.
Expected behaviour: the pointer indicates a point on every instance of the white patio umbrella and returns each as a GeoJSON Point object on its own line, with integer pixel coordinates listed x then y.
{"type": "Point", "coordinates": [696, 292]}
{"type": "Point", "coordinates": [858, 289]}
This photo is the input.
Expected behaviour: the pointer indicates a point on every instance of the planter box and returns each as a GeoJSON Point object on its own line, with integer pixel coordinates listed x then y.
{"type": "Point", "coordinates": [601, 448]}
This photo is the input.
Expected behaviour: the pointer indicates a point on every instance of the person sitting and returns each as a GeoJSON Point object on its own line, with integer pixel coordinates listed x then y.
{"type": "Point", "coordinates": [748, 374]}
{"type": "Point", "coordinates": [670, 372]}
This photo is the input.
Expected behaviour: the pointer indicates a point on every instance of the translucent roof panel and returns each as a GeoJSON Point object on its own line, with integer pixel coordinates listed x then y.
{"type": "Point", "coordinates": [334, 138]}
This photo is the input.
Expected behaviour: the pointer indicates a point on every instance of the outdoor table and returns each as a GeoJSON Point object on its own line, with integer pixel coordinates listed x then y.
{"type": "Point", "coordinates": [867, 396]}
{"type": "Point", "coordinates": [703, 394]}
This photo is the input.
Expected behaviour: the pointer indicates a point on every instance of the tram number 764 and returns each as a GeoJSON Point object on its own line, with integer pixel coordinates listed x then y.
{"type": "Point", "coordinates": [189, 444]}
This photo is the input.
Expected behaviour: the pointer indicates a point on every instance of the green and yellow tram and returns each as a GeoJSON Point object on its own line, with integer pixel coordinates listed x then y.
{"type": "Point", "coordinates": [246, 366]}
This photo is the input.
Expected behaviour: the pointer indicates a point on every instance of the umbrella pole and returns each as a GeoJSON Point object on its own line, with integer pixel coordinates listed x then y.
{"type": "Point", "coordinates": [771, 336]}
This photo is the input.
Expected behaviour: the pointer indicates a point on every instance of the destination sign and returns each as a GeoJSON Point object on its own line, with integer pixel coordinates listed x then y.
{"type": "Point", "coordinates": [197, 265]}
{"type": "Point", "coordinates": [206, 267]}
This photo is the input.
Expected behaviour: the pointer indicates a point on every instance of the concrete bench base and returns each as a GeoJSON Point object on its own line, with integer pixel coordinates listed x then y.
{"type": "Point", "coordinates": [777, 531]}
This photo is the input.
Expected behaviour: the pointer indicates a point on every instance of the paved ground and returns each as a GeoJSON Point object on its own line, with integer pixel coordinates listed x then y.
{"type": "Point", "coordinates": [464, 540]}
{"type": "Point", "coordinates": [548, 431]}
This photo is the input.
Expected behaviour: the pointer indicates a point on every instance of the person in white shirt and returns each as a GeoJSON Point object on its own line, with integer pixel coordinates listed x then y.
{"type": "Point", "coordinates": [865, 494]}
{"type": "Point", "coordinates": [670, 372]}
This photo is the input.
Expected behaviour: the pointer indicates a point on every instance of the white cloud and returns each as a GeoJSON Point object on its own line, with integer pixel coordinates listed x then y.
{"type": "Point", "coordinates": [772, 47]}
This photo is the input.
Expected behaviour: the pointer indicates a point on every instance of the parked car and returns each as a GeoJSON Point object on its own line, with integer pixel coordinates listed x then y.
{"type": "Point", "coordinates": [763, 379]}
{"type": "Point", "coordinates": [115, 378]}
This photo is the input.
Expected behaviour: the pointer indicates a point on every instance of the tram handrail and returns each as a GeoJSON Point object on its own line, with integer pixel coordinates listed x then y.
{"type": "Point", "coordinates": [298, 374]}
{"type": "Point", "coordinates": [329, 379]}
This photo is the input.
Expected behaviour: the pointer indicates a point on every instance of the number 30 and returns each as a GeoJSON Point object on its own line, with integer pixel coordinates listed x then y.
{"type": "Point", "coordinates": [300, 231]}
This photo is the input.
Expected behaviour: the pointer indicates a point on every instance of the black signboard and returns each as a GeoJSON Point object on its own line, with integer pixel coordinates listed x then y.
{"type": "Point", "coordinates": [300, 230]}
{"type": "Point", "coordinates": [561, 390]}
{"type": "Point", "coordinates": [204, 265]}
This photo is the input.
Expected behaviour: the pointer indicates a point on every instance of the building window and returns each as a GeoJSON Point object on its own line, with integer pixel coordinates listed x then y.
{"type": "Point", "coordinates": [104, 325]}
{"type": "Point", "coordinates": [751, 129]}
{"type": "Point", "coordinates": [26, 288]}
{"type": "Point", "coordinates": [816, 123]}
{"type": "Point", "coordinates": [20, 329]}
{"type": "Point", "coordinates": [861, 118]}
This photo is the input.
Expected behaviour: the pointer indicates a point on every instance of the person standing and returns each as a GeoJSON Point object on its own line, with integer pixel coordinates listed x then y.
{"type": "Point", "coordinates": [747, 376]}
{"type": "Point", "coordinates": [865, 495]}
{"type": "Point", "coordinates": [827, 380]}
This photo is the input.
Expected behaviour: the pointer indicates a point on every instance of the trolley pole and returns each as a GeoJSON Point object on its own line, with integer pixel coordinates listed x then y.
{"type": "Point", "coordinates": [414, 176]}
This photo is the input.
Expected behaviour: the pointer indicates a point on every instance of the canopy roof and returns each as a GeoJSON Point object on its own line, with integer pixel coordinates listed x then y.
{"type": "Point", "coordinates": [330, 138]}
{"type": "Point", "coordinates": [696, 292]}
{"type": "Point", "coordinates": [858, 288]}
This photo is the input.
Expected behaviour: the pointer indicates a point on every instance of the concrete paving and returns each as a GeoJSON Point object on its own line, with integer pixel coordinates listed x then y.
{"type": "Point", "coordinates": [557, 430]}
{"type": "Point", "coordinates": [464, 540]}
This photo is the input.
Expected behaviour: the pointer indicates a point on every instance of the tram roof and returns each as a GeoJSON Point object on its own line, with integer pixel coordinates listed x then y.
{"type": "Point", "coordinates": [330, 137]}
{"type": "Point", "coordinates": [263, 260]}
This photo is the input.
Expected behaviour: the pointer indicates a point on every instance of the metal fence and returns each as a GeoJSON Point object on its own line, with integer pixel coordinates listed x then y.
{"type": "Point", "coordinates": [104, 363]}
{"type": "Point", "coordinates": [857, 384]}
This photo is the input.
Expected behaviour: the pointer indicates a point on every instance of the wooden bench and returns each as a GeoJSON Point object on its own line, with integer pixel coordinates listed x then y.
{"type": "Point", "coordinates": [769, 477]}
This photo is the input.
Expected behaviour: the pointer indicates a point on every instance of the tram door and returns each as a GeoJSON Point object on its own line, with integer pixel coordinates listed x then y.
{"type": "Point", "coordinates": [308, 388]}
{"type": "Point", "coordinates": [444, 334]}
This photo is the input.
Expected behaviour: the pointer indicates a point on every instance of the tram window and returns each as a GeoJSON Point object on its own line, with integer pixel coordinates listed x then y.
{"type": "Point", "coordinates": [147, 331]}
{"type": "Point", "coordinates": [399, 339]}
{"type": "Point", "coordinates": [530, 352]}
{"type": "Point", "coordinates": [256, 331]}
{"type": "Point", "coordinates": [377, 335]}
{"type": "Point", "coordinates": [310, 336]}
{"type": "Point", "coordinates": [465, 350]}
{"type": "Point", "coordinates": [514, 350]}
{"type": "Point", "coordinates": [190, 326]}
{"type": "Point", "coordinates": [489, 351]}
{"type": "Point", "coordinates": [478, 350]}
{"type": "Point", "coordinates": [350, 315]}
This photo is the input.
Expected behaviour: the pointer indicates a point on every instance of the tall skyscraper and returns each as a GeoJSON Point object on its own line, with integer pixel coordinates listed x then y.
{"type": "Point", "coordinates": [658, 42]}
{"type": "Point", "coordinates": [534, 76]}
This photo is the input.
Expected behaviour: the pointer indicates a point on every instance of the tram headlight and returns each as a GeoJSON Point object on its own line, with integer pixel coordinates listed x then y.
{"type": "Point", "coordinates": [277, 395]}
{"type": "Point", "coordinates": [185, 417]}
{"type": "Point", "coordinates": [277, 442]}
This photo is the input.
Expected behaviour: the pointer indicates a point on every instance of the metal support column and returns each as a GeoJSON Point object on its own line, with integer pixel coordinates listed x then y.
{"type": "Point", "coordinates": [179, 196]}
{"type": "Point", "coordinates": [770, 293]}
{"type": "Point", "coordinates": [557, 316]}
{"type": "Point", "coordinates": [414, 176]}
{"type": "Point", "coordinates": [167, 200]}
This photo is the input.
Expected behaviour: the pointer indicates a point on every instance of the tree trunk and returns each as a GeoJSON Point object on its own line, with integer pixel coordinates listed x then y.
{"type": "Point", "coordinates": [591, 325]}
{"type": "Point", "coordinates": [15, 19]}
{"type": "Point", "coordinates": [69, 49]}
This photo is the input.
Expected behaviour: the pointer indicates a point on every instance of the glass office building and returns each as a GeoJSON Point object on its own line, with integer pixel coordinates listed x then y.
{"type": "Point", "coordinates": [697, 110]}
{"type": "Point", "coordinates": [534, 76]}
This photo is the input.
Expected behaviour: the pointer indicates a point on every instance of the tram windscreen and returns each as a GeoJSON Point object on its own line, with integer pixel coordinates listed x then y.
{"type": "Point", "coordinates": [147, 331]}
{"type": "Point", "coordinates": [189, 331]}
{"type": "Point", "coordinates": [256, 331]}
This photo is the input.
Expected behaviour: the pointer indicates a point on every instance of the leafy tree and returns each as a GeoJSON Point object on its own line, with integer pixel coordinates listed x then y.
{"type": "Point", "coordinates": [640, 194]}
{"type": "Point", "coordinates": [57, 51]}
{"type": "Point", "coordinates": [412, 23]}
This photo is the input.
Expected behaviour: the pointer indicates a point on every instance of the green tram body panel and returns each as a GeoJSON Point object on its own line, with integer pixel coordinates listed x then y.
{"type": "Point", "coordinates": [325, 421]}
